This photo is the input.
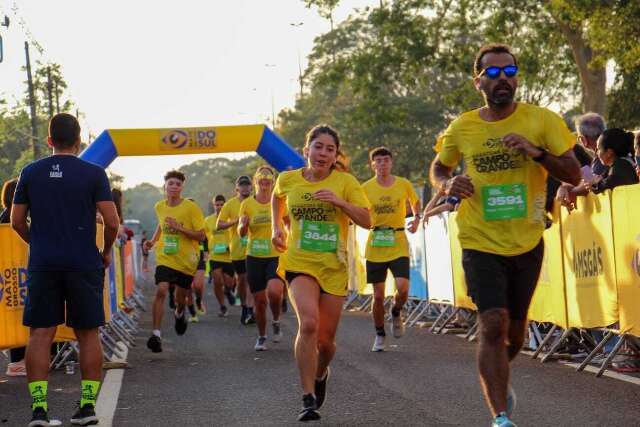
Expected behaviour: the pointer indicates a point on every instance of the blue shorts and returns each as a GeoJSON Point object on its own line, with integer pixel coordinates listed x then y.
{"type": "Point", "coordinates": [56, 296]}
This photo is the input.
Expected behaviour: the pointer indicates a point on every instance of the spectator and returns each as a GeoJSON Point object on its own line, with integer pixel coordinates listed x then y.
{"type": "Point", "coordinates": [438, 204]}
{"type": "Point", "coordinates": [145, 252]}
{"type": "Point", "coordinates": [16, 367]}
{"type": "Point", "coordinates": [636, 147]}
{"type": "Point", "coordinates": [61, 194]}
{"type": "Point", "coordinates": [589, 127]}
{"type": "Point", "coordinates": [615, 150]}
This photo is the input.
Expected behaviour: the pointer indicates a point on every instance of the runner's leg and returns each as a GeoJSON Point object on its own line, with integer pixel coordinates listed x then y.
{"type": "Point", "coordinates": [493, 361]}
{"type": "Point", "coordinates": [158, 304]}
{"type": "Point", "coordinates": [275, 290]}
{"type": "Point", "coordinates": [330, 312]}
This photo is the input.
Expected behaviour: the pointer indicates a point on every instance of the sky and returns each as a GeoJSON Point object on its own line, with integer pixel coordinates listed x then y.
{"type": "Point", "coordinates": [148, 64]}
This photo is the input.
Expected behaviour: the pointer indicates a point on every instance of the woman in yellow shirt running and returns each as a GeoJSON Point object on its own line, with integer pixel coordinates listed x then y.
{"type": "Point", "coordinates": [320, 200]}
{"type": "Point", "coordinates": [262, 257]}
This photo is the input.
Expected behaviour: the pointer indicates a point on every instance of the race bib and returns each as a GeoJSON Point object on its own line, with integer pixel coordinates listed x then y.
{"type": "Point", "coordinates": [384, 238]}
{"type": "Point", "coordinates": [170, 244]}
{"type": "Point", "coordinates": [318, 236]}
{"type": "Point", "coordinates": [504, 201]}
{"type": "Point", "coordinates": [260, 247]}
{"type": "Point", "coordinates": [243, 241]}
{"type": "Point", "coordinates": [220, 248]}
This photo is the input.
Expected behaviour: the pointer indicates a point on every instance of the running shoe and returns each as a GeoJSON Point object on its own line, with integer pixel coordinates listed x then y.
{"type": "Point", "coordinates": [194, 319]}
{"type": "Point", "coordinates": [261, 344]}
{"type": "Point", "coordinates": [321, 389]}
{"type": "Point", "coordinates": [154, 343]}
{"type": "Point", "coordinates": [244, 315]}
{"type": "Point", "coordinates": [309, 409]}
{"type": "Point", "coordinates": [224, 312]}
{"type": "Point", "coordinates": [250, 320]}
{"type": "Point", "coordinates": [512, 401]}
{"type": "Point", "coordinates": [85, 416]}
{"type": "Point", "coordinates": [172, 300]}
{"type": "Point", "coordinates": [230, 296]}
{"type": "Point", "coordinates": [397, 325]}
{"type": "Point", "coordinates": [181, 323]}
{"type": "Point", "coordinates": [201, 310]}
{"type": "Point", "coordinates": [16, 369]}
{"type": "Point", "coordinates": [277, 332]}
{"type": "Point", "coordinates": [378, 344]}
{"type": "Point", "coordinates": [502, 420]}
{"type": "Point", "coordinates": [39, 418]}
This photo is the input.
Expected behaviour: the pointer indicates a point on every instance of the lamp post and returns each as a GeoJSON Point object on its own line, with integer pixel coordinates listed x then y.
{"type": "Point", "coordinates": [297, 25]}
{"type": "Point", "coordinates": [273, 108]}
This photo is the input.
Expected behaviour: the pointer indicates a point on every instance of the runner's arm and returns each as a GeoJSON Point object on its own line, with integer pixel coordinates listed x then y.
{"type": "Point", "coordinates": [223, 225]}
{"type": "Point", "coordinates": [19, 220]}
{"type": "Point", "coordinates": [243, 226]}
{"type": "Point", "coordinates": [154, 239]}
{"type": "Point", "coordinates": [111, 223]}
{"type": "Point", "coordinates": [198, 235]}
{"type": "Point", "coordinates": [445, 207]}
{"type": "Point", "coordinates": [442, 179]}
{"type": "Point", "coordinates": [278, 234]}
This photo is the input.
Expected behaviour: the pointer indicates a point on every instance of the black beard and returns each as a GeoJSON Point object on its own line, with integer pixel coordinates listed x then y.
{"type": "Point", "coordinates": [502, 99]}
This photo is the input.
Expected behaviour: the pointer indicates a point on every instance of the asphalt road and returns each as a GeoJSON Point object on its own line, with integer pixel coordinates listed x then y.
{"type": "Point", "coordinates": [212, 377]}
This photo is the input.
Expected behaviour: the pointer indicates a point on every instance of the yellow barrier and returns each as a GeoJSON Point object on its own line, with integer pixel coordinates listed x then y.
{"type": "Point", "coordinates": [13, 291]}
{"type": "Point", "coordinates": [461, 299]}
{"type": "Point", "coordinates": [626, 236]}
{"type": "Point", "coordinates": [589, 264]}
{"type": "Point", "coordinates": [549, 302]}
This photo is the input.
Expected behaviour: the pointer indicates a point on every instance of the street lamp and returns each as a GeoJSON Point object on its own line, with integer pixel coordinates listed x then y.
{"type": "Point", "coordinates": [300, 81]}
{"type": "Point", "coordinates": [273, 108]}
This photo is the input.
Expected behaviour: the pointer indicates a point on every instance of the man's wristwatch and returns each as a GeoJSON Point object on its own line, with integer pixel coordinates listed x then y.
{"type": "Point", "coordinates": [540, 157]}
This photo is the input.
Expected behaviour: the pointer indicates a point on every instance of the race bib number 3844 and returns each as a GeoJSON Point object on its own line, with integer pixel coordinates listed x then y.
{"type": "Point", "coordinates": [319, 236]}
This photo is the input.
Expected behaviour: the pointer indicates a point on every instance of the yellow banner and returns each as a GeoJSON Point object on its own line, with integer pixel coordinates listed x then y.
{"type": "Point", "coordinates": [549, 302]}
{"type": "Point", "coordinates": [626, 236]}
{"type": "Point", "coordinates": [461, 299]}
{"type": "Point", "coordinates": [589, 264]}
{"type": "Point", "coordinates": [196, 140]}
{"type": "Point", "coordinates": [117, 260]}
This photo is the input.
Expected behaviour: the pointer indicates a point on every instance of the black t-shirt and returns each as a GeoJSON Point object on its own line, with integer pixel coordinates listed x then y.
{"type": "Point", "coordinates": [61, 192]}
{"type": "Point", "coordinates": [622, 172]}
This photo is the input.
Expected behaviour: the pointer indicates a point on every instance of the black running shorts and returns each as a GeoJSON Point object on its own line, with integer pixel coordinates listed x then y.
{"type": "Point", "coordinates": [51, 293]}
{"type": "Point", "coordinates": [496, 281]}
{"type": "Point", "coordinates": [173, 277]}
{"type": "Point", "coordinates": [227, 267]}
{"type": "Point", "coordinates": [260, 271]}
{"type": "Point", "coordinates": [377, 271]}
{"type": "Point", "coordinates": [240, 267]}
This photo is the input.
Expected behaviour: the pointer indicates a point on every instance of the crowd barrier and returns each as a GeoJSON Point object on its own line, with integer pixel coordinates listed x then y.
{"type": "Point", "coordinates": [121, 299]}
{"type": "Point", "coordinates": [590, 277]}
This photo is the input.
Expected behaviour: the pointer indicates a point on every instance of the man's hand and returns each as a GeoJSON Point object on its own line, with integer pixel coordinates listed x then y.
{"type": "Point", "coordinates": [279, 239]}
{"type": "Point", "coordinates": [106, 258]}
{"type": "Point", "coordinates": [413, 225]}
{"type": "Point", "coordinates": [172, 223]}
{"type": "Point", "coordinates": [148, 244]}
{"type": "Point", "coordinates": [459, 186]}
{"type": "Point", "coordinates": [521, 144]}
{"type": "Point", "coordinates": [244, 221]}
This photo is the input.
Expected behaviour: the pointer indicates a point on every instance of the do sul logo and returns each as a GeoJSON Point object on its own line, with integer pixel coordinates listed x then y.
{"type": "Point", "coordinates": [179, 139]}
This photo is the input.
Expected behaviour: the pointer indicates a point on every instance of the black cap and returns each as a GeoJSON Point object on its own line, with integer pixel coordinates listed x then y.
{"type": "Point", "coordinates": [243, 180]}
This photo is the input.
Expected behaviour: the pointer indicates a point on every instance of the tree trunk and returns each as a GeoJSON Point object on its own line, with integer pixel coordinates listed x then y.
{"type": "Point", "coordinates": [593, 79]}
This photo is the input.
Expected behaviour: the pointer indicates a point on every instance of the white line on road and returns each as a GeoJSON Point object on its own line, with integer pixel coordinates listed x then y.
{"type": "Point", "coordinates": [109, 393]}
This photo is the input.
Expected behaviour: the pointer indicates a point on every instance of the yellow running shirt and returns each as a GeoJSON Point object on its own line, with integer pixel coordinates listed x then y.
{"type": "Point", "coordinates": [505, 215]}
{"type": "Point", "coordinates": [218, 240]}
{"type": "Point", "coordinates": [175, 250]}
{"type": "Point", "coordinates": [229, 213]}
{"type": "Point", "coordinates": [317, 243]}
{"type": "Point", "coordinates": [259, 243]}
{"type": "Point", "coordinates": [388, 210]}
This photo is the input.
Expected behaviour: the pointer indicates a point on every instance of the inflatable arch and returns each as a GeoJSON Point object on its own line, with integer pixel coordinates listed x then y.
{"type": "Point", "coordinates": [197, 140]}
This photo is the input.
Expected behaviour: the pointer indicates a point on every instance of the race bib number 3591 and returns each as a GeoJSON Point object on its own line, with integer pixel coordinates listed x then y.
{"type": "Point", "coordinates": [504, 201]}
{"type": "Point", "coordinates": [318, 236]}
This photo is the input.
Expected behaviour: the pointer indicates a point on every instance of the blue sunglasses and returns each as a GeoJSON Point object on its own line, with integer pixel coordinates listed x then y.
{"type": "Point", "coordinates": [494, 72]}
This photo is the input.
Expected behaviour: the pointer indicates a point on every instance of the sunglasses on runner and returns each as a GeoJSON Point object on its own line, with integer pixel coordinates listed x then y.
{"type": "Point", "coordinates": [494, 72]}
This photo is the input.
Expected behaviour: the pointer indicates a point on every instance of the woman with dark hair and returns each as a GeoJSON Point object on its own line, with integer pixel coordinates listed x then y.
{"type": "Point", "coordinates": [16, 366]}
{"type": "Point", "coordinates": [615, 150]}
{"type": "Point", "coordinates": [321, 200]}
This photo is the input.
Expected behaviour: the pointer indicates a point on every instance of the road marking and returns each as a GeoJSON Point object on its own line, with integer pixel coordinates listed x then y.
{"type": "Point", "coordinates": [109, 393]}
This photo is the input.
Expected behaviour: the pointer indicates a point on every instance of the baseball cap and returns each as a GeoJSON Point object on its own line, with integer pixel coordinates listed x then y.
{"type": "Point", "coordinates": [243, 180]}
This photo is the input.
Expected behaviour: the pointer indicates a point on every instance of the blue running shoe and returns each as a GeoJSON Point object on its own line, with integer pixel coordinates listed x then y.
{"type": "Point", "coordinates": [512, 400]}
{"type": "Point", "coordinates": [502, 420]}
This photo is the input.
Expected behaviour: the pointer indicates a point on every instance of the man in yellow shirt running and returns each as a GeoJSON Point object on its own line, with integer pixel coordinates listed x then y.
{"type": "Point", "coordinates": [180, 231]}
{"type": "Point", "coordinates": [229, 218]}
{"type": "Point", "coordinates": [387, 246]}
{"type": "Point", "coordinates": [508, 148]}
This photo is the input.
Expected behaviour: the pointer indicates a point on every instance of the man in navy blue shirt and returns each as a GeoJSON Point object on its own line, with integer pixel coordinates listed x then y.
{"type": "Point", "coordinates": [61, 194]}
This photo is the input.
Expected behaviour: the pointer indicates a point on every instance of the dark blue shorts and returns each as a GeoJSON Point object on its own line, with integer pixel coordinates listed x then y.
{"type": "Point", "coordinates": [56, 296]}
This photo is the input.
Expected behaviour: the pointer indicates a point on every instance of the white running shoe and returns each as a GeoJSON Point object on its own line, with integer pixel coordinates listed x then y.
{"type": "Point", "coordinates": [378, 344]}
{"type": "Point", "coordinates": [397, 326]}
{"type": "Point", "coordinates": [261, 344]}
{"type": "Point", "coordinates": [277, 332]}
